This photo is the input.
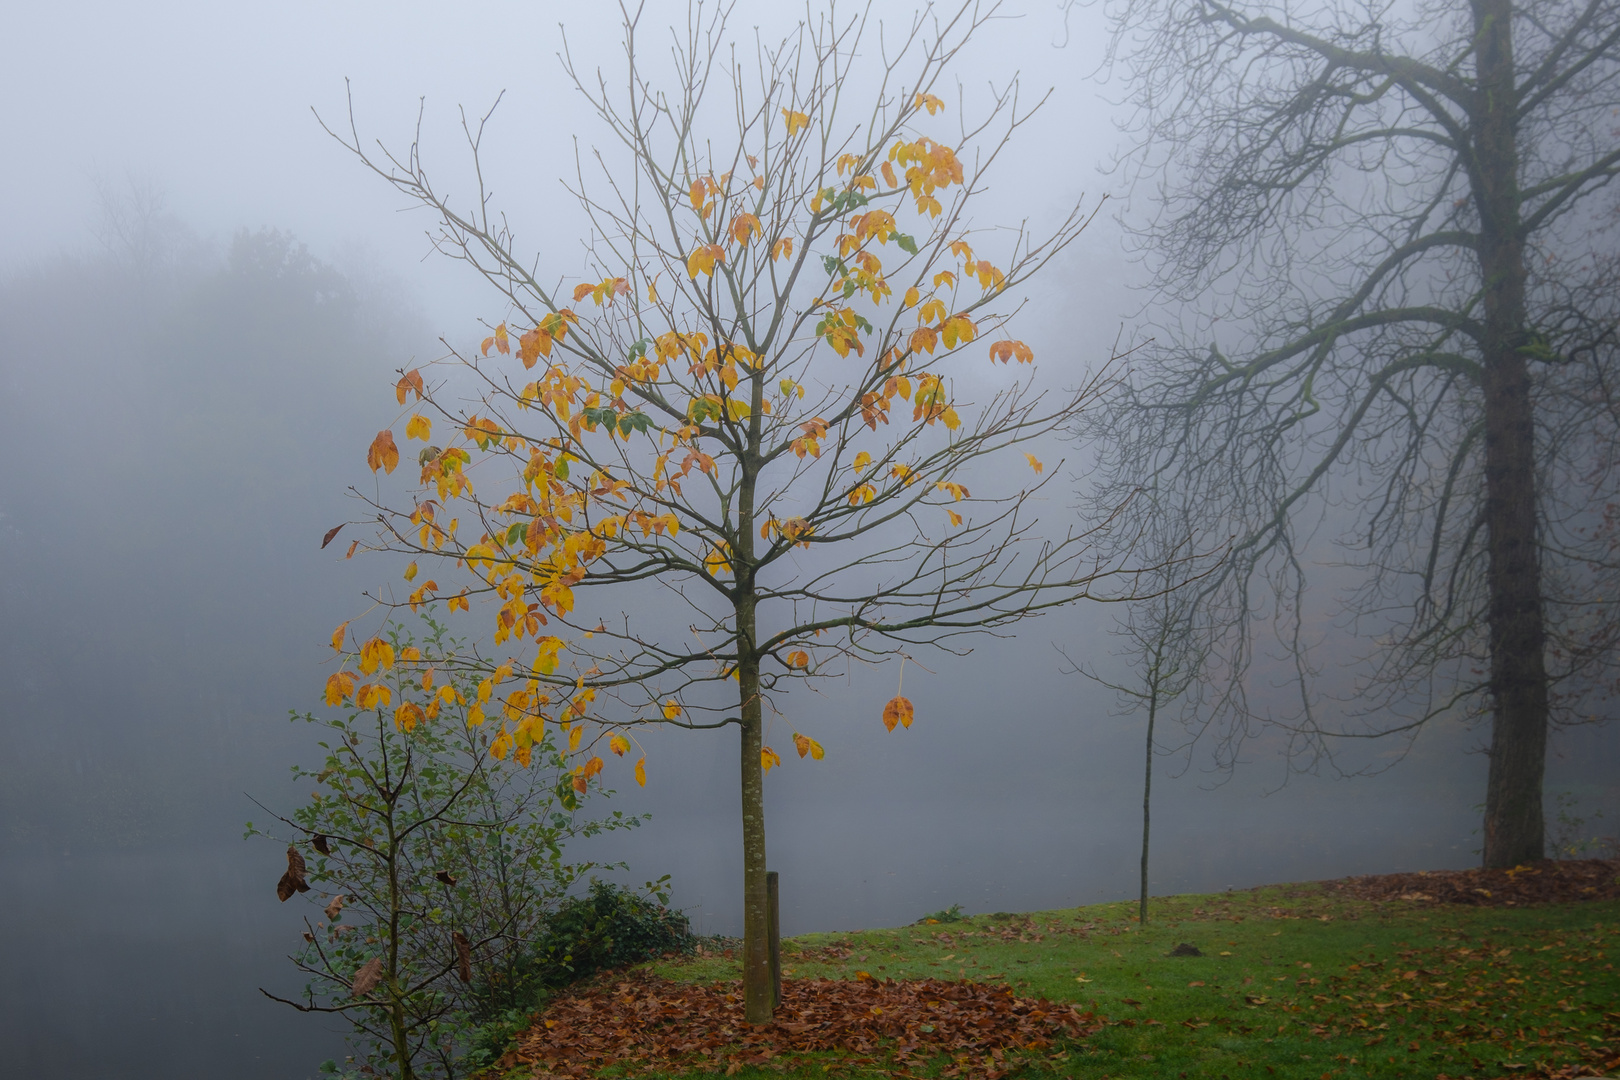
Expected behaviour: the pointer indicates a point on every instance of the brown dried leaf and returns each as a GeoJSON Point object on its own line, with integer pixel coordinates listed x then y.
{"type": "Point", "coordinates": [334, 907]}
{"type": "Point", "coordinates": [293, 880]}
{"type": "Point", "coordinates": [369, 975]}
{"type": "Point", "coordinates": [463, 956]}
{"type": "Point", "coordinates": [321, 845]}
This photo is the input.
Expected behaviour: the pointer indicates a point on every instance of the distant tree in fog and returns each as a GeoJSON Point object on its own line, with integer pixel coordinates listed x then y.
{"type": "Point", "coordinates": [1393, 237]}
{"type": "Point", "coordinates": [748, 415]}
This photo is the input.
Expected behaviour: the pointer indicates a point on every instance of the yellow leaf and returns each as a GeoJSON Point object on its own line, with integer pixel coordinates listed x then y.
{"type": "Point", "coordinates": [956, 519]}
{"type": "Point", "coordinates": [795, 121]}
{"type": "Point", "coordinates": [374, 696]}
{"type": "Point", "coordinates": [911, 298]}
{"type": "Point", "coordinates": [410, 572]}
{"type": "Point", "coordinates": [672, 709]}
{"type": "Point", "coordinates": [374, 654]}
{"type": "Point", "coordinates": [897, 711]}
{"type": "Point", "coordinates": [418, 427]}
{"type": "Point", "coordinates": [339, 685]}
{"type": "Point", "coordinates": [641, 772]}
{"type": "Point", "coordinates": [702, 260]}
{"type": "Point", "coordinates": [619, 745]}
{"type": "Point", "coordinates": [929, 102]}
{"type": "Point", "coordinates": [782, 249]}
{"type": "Point", "coordinates": [574, 737]}
{"type": "Point", "coordinates": [337, 637]}
{"type": "Point", "coordinates": [1034, 463]}
{"type": "Point", "coordinates": [475, 716]}
{"type": "Point", "coordinates": [407, 716]}
{"type": "Point", "coordinates": [806, 745]}
{"type": "Point", "coordinates": [798, 659]}
{"type": "Point", "coordinates": [768, 758]}
{"type": "Point", "coordinates": [383, 454]}
{"type": "Point", "coordinates": [862, 460]}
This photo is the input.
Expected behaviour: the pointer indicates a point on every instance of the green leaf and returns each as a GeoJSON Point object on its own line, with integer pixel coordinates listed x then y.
{"type": "Point", "coordinates": [907, 244]}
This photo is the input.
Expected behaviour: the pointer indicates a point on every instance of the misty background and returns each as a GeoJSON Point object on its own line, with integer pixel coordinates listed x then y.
{"type": "Point", "coordinates": [203, 301]}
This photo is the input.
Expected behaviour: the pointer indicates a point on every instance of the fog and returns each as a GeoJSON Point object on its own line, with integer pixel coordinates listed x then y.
{"type": "Point", "coordinates": [203, 302]}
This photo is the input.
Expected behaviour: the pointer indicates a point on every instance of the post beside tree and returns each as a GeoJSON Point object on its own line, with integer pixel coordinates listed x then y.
{"type": "Point", "coordinates": [773, 902]}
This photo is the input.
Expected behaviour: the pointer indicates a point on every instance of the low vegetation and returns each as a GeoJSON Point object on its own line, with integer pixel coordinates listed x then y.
{"type": "Point", "coordinates": [1301, 981]}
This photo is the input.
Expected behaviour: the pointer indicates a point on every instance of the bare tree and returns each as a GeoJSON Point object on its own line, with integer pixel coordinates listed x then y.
{"type": "Point", "coordinates": [1168, 656]}
{"type": "Point", "coordinates": [744, 451]}
{"type": "Point", "coordinates": [1383, 226]}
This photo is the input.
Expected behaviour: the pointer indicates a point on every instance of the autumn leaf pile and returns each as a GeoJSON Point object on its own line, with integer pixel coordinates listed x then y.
{"type": "Point", "coordinates": [1547, 882]}
{"type": "Point", "coordinates": [647, 1022]}
{"type": "Point", "coordinates": [1473, 993]}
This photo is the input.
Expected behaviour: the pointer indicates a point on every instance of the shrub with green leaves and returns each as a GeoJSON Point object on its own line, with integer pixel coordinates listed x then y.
{"type": "Point", "coordinates": [430, 868]}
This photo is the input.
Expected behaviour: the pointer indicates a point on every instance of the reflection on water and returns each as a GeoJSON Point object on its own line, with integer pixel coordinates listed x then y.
{"type": "Point", "coordinates": [146, 966]}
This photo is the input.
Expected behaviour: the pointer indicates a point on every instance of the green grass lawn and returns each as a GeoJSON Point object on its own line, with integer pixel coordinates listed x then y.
{"type": "Point", "coordinates": [1293, 982]}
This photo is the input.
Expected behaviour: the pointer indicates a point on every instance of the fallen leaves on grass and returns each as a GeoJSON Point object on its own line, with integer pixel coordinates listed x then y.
{"type": "Point", "coordinates": [645, 1021]}
{"type": "Point", "coordinates": [1539, 1011]}
{"type": "Point", "coordinates": [1550, 881]}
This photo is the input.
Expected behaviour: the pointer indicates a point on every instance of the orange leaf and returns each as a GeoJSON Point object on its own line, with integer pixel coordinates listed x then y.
{"type": "Point", "coordinates": [1035, 463]}
{"type": "Point", "coordinates": [409, 382]}
{"type": "Point", "coordinates": [897, 711]}
{"type": "Point", "coordinates": [337, 636]}
{"type": "Point", "coordinates": [383, 454]}
{"type": "Point", "coordinates": [806, 745]}
{"type": "Point", "coordinates": [798, 658]}
{"type": "Point", "coordinates": [641, 772]}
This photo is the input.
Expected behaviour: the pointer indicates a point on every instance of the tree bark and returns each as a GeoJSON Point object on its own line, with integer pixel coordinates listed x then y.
{"type": "Point", "coordinates": [759, 1002]}
{"type": "Point", "coordinates": [1147, 786]}
{"type": "Point", "coordinates": [756, 917]}
{"type": "Point", "coordinates": [1514, 829]}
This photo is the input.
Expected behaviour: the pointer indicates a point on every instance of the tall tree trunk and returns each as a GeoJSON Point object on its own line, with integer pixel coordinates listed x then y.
{"type": "Point", "coordinates": [1514, 830]}
{"type": "Point", "coordinates": [759, 992]}
{"type": "Point", "coordinates": [758, 1003]}
{"type": "Point", "coordinates": [1147, 785]}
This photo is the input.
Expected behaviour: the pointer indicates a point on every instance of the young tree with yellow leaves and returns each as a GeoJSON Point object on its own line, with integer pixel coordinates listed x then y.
{"type": "Point", "coordinates": [748, 406]}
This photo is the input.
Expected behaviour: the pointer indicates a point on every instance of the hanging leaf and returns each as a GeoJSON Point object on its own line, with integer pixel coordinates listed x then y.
{"type": "Point", "coordinates": [334, 908]}
{"type": "Point", "coordinates": [808, 746]}
{"type": "Point", "coordinates": [369, 975]}
{"type": "Point", "coordinates": [444, 877]}
{"type": "Point", "coordinates": [463, 956]}
{"type": "Point", "coordinates": [383, 454]}
{"type": "Point", "coordinates": [331, 533]}
{"type": "Point", "coordinates": [293, 880]}
{"type": "Point", "coordinates": [897, 711]}
{"type": "Point", "coordinates": [321, 845]}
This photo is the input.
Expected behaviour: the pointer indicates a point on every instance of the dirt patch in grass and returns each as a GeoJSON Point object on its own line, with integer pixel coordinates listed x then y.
{"type": "Point", "coordinates": [1547, 882]}
{"type": "Point", "coordinates": [642, 1022]}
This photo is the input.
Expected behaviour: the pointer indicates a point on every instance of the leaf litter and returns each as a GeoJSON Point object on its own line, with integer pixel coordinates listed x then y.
{"type": "Point", "coordinates": [642, 1021]}
{"type": "Point", "coordinates": [1550, 881]}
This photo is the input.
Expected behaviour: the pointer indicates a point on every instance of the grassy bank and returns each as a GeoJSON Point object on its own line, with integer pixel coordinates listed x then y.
{"type": "Point", "coordinates": [1293, 981]}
